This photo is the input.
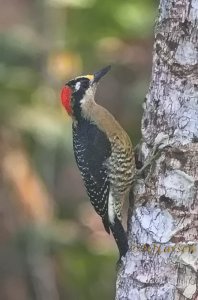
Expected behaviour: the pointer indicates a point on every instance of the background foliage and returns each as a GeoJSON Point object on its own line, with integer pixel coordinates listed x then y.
{"type": "Point", "coordinates": [53, 245]}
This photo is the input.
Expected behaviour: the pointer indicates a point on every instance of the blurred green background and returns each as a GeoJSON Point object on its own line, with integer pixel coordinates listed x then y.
{"type": "Point", "coordinates": [52, 244]}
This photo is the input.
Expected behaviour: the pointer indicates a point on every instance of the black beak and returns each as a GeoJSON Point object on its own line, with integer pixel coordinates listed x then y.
{"type": "Point", "coordinates": [98, 75]}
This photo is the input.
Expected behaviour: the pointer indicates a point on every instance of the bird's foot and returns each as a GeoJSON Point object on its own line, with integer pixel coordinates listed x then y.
{"type": "Point", "coordinates": [160, 144]}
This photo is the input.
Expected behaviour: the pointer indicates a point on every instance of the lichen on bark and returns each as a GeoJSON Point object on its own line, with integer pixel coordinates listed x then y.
{"type": "Point", "coordinates": [162, 262]}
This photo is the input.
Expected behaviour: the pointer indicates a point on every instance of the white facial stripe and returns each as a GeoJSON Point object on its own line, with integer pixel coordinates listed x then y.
{"type": "Point", "coordinates": [77, 86]}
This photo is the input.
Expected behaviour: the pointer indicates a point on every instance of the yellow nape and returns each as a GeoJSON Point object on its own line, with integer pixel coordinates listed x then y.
{"type": "Point", "coordinates": [90, 77]}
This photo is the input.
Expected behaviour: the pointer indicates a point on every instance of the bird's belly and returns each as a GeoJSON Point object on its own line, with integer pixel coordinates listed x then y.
{"type": "Point", "coordinates": [121, 165]}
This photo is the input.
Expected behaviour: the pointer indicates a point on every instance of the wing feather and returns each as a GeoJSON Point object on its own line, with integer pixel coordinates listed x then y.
{"type": "Point", "coordinates": [92, 148]}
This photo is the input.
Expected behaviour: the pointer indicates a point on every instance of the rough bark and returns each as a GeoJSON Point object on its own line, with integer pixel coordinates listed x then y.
{"type": "Point", "coordinates": [162, 262]}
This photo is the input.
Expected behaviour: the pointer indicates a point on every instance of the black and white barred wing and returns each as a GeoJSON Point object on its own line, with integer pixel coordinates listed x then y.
{"type": "Point", "coordinates": [92, 149]}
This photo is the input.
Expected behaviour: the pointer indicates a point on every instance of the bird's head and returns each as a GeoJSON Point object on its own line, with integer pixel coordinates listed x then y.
{"type": "Point", "coordinates": [80, 90]}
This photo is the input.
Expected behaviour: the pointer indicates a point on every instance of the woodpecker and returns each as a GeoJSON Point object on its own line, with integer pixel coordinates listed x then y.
{"type": "Point", "coordinates": [103, 153]}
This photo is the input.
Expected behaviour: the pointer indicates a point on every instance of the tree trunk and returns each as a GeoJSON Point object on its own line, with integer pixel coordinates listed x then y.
{"type": "Point", "coordinates": [162, 262]}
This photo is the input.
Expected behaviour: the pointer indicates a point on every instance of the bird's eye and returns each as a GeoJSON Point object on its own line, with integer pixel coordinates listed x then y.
{"type": "Point", "coordinates": [81, 84]}
{"type": "Point", "coordinates": [84, 84]}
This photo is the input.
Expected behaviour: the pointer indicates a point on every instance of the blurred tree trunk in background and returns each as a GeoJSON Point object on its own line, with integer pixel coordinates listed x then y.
{"type": "Point", "coordinates": [163, 227]}
{"type": "Point", "coordinates": [26, 268]}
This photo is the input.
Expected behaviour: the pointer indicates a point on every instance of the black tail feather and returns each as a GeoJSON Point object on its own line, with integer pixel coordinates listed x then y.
{"type": "Point", "coordinates": [119, 236]}
{"type": "Point", "coordinates": [105, 221]}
